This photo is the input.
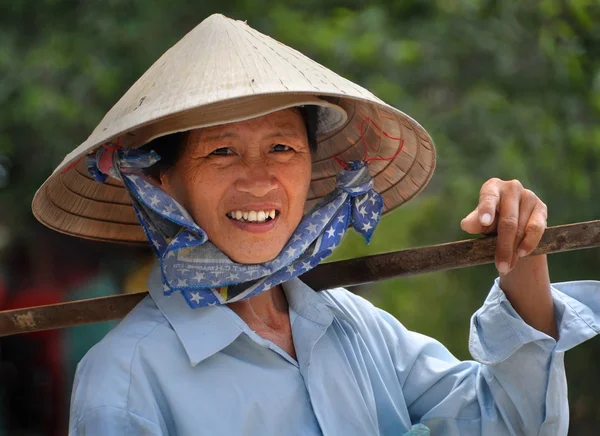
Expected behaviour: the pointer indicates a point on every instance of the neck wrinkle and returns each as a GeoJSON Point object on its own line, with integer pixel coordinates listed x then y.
{"type": "Point", "coordinates": [269, 308]}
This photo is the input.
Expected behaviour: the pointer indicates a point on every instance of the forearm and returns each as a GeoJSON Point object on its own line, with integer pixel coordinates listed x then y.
{"type": "Point", "coordinates": [518, 380]}
{"type": "Point", "coordinates": [527, 287]}
{"type": "Point", "coordinates": [525, 366]}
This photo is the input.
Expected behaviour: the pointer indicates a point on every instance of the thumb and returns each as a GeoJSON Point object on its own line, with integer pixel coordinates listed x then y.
{"type": "Point", "coordinates": [472, 224]}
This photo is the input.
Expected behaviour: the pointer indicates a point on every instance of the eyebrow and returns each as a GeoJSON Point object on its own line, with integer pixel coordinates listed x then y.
{"type": "Point", "coordinates": [280, 133]}
{"type": "Point", "coordinates": [220, 136]}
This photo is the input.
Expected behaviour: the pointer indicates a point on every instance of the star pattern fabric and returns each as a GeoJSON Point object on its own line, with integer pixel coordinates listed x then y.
{"type": "Point", "coordinates": [203, 274]}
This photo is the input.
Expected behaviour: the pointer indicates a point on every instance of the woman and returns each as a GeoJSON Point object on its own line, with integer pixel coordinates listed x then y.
{"type": "Point", "coordinates": [245, 163]}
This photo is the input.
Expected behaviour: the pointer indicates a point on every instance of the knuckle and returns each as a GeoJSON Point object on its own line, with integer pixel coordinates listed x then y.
{"type": "Point", "coordinates": [489, 183]}
{"type": "Point", "coordinates": [488, 198]}
{"type": "Point", "coordinates": [515, 185]}
{"type": "Point", "coordinates": [527, 244]}
{"type": "Point", "coordinates": [521, 234]}
{"type": "Point", "coordinates": [529, 194]}
{"type": "Point", "coordinates": [508, 224]}
{"type": "Point", "coordinates": [540, 212]}
{"type": "Point", "coordinates": [535, 227]}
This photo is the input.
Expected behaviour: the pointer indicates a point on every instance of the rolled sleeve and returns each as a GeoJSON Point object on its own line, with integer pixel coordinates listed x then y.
{"type": "Point", "coordinates": [517, 383]}
{"type": "Point", "coordinates": [523, 367]}
{"type": "Point", "coordinates": [497, 330]}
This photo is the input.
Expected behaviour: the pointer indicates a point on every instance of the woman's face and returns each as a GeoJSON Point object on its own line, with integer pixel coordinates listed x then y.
{"type": "Point", "coordinates": [245, 183]}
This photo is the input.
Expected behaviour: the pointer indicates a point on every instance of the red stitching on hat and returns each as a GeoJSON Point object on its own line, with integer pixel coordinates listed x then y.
{"type": "Point", "coordinates": [366, 157]}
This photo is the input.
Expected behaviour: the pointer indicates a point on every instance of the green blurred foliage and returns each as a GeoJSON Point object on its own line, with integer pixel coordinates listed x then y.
{"type": "Point", "coordinates": [507, 89]}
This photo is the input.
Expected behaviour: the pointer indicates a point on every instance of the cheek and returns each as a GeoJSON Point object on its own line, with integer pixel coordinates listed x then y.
{"type": "Point", "coordinates": [188, 185]}
{"type": "Point", "coordinates": [298, 182]}
{"type": "Point", "coordinates": [205, 193]}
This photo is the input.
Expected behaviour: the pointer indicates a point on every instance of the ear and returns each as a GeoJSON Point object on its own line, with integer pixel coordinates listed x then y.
{"type": "Point", "coordinates": [165, 181]}
{"type": "Point", "coordinates": [161, 179]}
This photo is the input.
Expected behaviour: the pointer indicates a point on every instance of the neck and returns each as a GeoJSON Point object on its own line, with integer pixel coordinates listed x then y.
{"type": "Point", "coordinates": [269, 308]}
{"type": "Point", "coordinates": [267, 315]}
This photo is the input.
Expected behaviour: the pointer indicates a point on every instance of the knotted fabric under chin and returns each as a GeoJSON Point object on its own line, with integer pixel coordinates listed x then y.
{"type": "Point", "coordinates": [203, 274]}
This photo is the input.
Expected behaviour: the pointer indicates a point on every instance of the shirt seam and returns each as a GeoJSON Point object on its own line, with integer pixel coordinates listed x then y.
{"type": "Point", "coordinates": [80, 420]}
{"type": "Point", "coordinates": [132, 360]}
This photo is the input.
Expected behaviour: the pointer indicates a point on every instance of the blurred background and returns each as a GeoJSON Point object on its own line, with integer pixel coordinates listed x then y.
{"type": "Point", "coordinates": [507, 89]}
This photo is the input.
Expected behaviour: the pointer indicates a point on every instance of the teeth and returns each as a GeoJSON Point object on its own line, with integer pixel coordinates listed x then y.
{"type": "Point", "coordinates": [252, 215]}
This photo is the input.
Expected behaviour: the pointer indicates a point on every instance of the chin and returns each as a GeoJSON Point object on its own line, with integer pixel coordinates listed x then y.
{"type": "Point", "coordinates": [254, 258]}
{"type": "Point", "coordinates": [250, 253]}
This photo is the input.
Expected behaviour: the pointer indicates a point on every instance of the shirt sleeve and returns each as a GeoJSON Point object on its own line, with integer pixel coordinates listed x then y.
{"type": "Point", "coordinates": [112, 421]}
{"type": "Point", "coordinates": [517, 383]}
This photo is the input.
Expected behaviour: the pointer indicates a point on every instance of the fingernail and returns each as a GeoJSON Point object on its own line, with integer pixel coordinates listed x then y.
{"type": "Point", "coordinates": [503, 268]}
{"type": "Point", "coordinates": [486, 219]}
{"type": "Point", "coordinates": [522, 253]}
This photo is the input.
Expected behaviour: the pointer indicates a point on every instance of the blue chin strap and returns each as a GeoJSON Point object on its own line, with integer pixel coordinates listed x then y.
{"type": "Point", "coordinates": [204, 275]}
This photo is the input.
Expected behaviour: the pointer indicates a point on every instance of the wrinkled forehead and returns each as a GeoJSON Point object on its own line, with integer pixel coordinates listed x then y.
{"type": "Point", "coordinates": [285, 122]}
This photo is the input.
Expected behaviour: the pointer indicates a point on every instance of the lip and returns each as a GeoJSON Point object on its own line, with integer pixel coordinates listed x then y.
{"type": "Point", "coordinates": [254, 227]}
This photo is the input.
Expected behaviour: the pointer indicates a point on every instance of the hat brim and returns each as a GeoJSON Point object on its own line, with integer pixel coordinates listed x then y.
{"type": "Point", "coordinates": [71, 202]}
{"type": "Point", "coordinates": [221, 72]}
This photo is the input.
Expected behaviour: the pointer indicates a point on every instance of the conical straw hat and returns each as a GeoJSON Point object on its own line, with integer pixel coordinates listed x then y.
{"type": "Point", "coordinates": [225, 71]}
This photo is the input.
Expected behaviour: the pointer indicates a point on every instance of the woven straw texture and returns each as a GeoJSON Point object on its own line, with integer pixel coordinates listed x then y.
{"type": "Point", "coordinates": [225, 71]}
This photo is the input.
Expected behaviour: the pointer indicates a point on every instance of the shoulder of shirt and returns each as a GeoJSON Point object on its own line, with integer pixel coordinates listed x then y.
{"type": "Point", "coordinates": [375, 325]}
{"type": "Point", "coordinates": [353, 308]}
{"type": "Point", "coordinates": [112, 359]}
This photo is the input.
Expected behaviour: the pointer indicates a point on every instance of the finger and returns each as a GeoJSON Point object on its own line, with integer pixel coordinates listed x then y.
{"type": "Point", "coordinates": [471, 224]}
{"type": "Point", "coordinates": [534, 229]}
{"type": "Point", "coordinates": [514, 260]}
{"type": "Point", "coordinates": [508, 222]}
{"type": "Point", "coordinates": [527, 205]}
{"type": "Point", "coordinates": [489, 200]}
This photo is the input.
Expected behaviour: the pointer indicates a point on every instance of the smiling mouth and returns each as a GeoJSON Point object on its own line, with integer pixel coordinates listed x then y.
{"type": "Point", "coordinates": [253, 216]}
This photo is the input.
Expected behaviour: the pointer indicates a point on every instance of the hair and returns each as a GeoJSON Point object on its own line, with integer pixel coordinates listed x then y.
{"type": "Point", "coordinates": [170, 147]}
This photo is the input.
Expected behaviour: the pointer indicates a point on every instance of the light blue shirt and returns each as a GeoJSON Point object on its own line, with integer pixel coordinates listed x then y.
{"type": "Point", "coordinates": [169, 370]}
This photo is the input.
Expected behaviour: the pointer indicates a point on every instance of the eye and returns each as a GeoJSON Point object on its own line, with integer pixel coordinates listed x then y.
{"type": "Point", "coordinates": [222, 151]}
{"type": "Point", "coordinates": [281, 147]}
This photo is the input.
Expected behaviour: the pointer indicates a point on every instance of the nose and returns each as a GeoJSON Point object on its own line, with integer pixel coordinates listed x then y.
{"type": "Point", "coordinates": [256, 180]}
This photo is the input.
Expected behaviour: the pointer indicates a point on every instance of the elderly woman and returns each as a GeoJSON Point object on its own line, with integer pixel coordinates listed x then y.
{"type": "Point", "coordinates": [245, 163]}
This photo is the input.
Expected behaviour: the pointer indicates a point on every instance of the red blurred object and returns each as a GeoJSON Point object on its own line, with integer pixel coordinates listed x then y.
{"type": "Point", "coordinates": [44, 363]}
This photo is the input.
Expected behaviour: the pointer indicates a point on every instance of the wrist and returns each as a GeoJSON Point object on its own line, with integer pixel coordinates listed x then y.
{"type": "Point", "coordinates": [527, 287]}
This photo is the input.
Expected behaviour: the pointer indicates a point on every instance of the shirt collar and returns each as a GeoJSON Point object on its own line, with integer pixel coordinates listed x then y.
{"type": "Point", "coordinates": [306, 302]}
{"type": "Point", "coordinates": [205, 331]}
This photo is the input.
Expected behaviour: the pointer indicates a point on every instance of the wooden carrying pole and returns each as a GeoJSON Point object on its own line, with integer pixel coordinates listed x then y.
{"type": "Point", "coordinates": [350, 272]}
